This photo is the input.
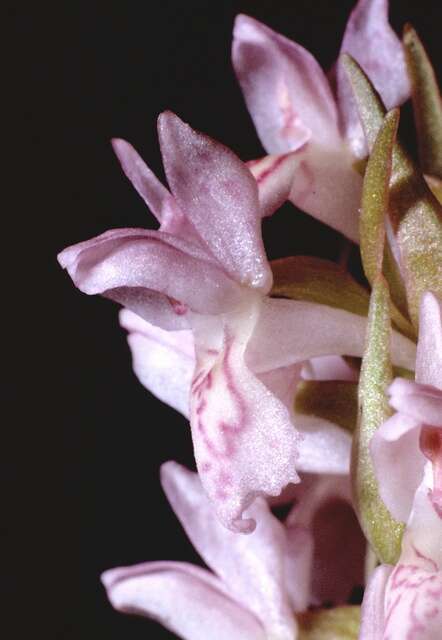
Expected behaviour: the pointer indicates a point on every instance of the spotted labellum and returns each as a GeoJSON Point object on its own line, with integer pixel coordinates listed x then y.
{"type": "Point", "coordinates": [304, 383]}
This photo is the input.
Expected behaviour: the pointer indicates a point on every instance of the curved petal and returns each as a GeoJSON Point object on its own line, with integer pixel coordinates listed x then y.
{"type": "Point", "coordinates": [371, 41]}
{"type": "Point", "coordinates": [372, 610]}
{"type": "Point", "coordinates": [421, 402]}
{"type": "Point", "coordinates": [290, 331]}
{"type": "Point", "coordinates": [397, 439]}
{"type": "Point", "coordinates": [134, 259]}
{"type": "Point", "coordinates": [218, 194]}
{"type": "Point", "coordinates": [274, 176]}
{"type": "Point", "coordinates": [251, 567]}
{"type": "Point", "coordinates": [323, 446]}
{"type": "Point", "coordinates": [285, 89]}
{"type": "Point", "coordinates": [298, 566]}
{"type": "Point", "coordinates": [163, 361]}
{"type": "Point", "coordinates": [429, 348]}
{"type": "Point", "coordinates": [185, 599]}
{"type": "Point", "coordinates": [154, 194]}
{"type": "Point", "coordinates": [245, 443]}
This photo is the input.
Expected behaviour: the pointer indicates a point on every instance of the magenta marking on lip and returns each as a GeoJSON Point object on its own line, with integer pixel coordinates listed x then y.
{"type": "Point", "coordinates": [267, 172]}
{"type": "Point", "coordinates": [178, 307]}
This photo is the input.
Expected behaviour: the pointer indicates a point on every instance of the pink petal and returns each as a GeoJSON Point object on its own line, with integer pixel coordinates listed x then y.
{"type": "Point", "coordinates": [298, 566]}
{"type": "Point", "coordinates": [163, 361]}
{"type": "Point", "coordinates": [132, 262]}
{"type": "Point", "coordinates": [324, 509]}
{"type": "Point", "coordinates": [274, 176]}
{"type": "Point", "coordinates": [397, 439]}
{"type": "Point", "coordinates": [429, 348]}
{"type": "Point", "coordinates": [421, 402]}
{"type": "Point", "coordinates": [251, 567]}
{"type": "Point", "coordinates": [185, 599]}
{"type": "Point", "coordinates": [154, 194]}
{"type": "Point", "coordinates": [217, 193]}
{"type": "Point", "coordinates": [371, 41]}
{"type": "Point", "coordinates": [245, 443]}
{"type": "Point", "coordinates": [290, 331]}
{"type": "Point", "coordinates": [286, 91]}
{"type": "Point", "coordinates": [372, 611]}
{"type": "Point", "coordinates": [323, 446]}
{"type": "Point", "coordinates": [329, 368]}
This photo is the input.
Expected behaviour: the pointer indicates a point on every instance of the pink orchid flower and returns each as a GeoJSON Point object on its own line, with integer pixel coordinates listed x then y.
{"type": "Point", "coordinates": [259, 582]}
{"type": "Point", "coordinates": [406, 601]}
{"type": "Point", "coordinates": [206, 270]}
{"type": "Point", "coordinates": [294, 108]}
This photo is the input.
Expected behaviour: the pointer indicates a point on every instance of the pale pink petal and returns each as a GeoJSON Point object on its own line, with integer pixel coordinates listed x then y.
{"type": "Point", "coordinates": [398, 463]}
{"type": "Point", "coordinates": [421, 402]}
{"type": "Point", "coordinates": [413, 603]}
{"type": "Point", "coordinates": [285, 89]}
{"type": "Point", "coordinates": [251, 567]}
{"type": "Point", "coordinates": [324, 509]}
{"type": "Point", "coordinates": [429, 348]}
{"type": "Point", "coordinates": [329, 368]}
{"type": "Point", "coordinates": [154, 194]}
{"type": "Point", "coordinates": [323, 446]}
{"type": "Point", "coordinates": [163, 361]}
{"type": "Point", "coordinates": [373, 605]}
{"type": "Point", "coordinates": [218, 194]}
{"type": "Point", "coordinates": [319, 171]}
{"type": "Point", "coordinates": [185, 599]}
{"type": "Point", "coordinates": [290, 331]}
{"type": "Point", "coordinates": [245, 443]}
{"type": "Point", "coordinates": [371, 41]}
{"type": "Point", "coordinates": [137, 259]}
{"type": "Point", "coordinates": [274, 176]}
{"type": "Point", "coordinates": [298, 566]}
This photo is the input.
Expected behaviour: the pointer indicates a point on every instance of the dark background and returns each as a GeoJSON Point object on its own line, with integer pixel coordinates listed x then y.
{"type": "Point", "coordinates": [82, 440]}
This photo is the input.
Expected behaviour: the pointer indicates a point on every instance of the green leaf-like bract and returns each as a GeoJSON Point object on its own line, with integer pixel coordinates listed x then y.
{"type": "Point", "coordinates": [316, 280]}
{"type": "Point", "coordinates": [427, 105]}
{"type": "Point", "coordinates": [381, 530]}
{"type": "Point", "coordinates": [341, 623]}
{"type": "Point", "coordinates": [414, 212]}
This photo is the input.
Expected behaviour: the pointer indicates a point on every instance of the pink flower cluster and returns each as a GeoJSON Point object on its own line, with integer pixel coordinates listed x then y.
{"type": "Point", "coordinates": [210, 338]}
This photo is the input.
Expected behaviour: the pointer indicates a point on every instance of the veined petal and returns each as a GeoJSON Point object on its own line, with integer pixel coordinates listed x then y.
{"type": "Point", "coordinates": [136, 259]}
{"type": "Point", "coordinates": [290, 331]}
{"type": "Point", "coordinates": [163, 361]}
{"type": "Point", "coordinates": [373, 605]}
{"type": "Point", "coordinates": [413, 603]}
{"type": "Point", "coordinates": [218, 194]}
{"type": "Point", "coordinates": [285, 89]}
{"type": "Point", "coordinates": [370, 40]}
{"type": "Point", "coordinates": [429, 348]}
{"type": "Point", "coordinates": [251, 567]}
{"type": "Point", "coordinates": [274, 176]}
{"type": "Point", "coordinates": [245, 443]}
{"type": "Point", "coordinates": [187, 600]}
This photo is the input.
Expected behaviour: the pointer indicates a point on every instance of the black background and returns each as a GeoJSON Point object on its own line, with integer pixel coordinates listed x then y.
{"type": "Point", "coordinates": [83, 443]}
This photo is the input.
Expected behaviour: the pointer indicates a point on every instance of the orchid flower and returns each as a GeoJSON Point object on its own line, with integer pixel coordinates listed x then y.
{"type": "Point", "coordinates": [294, 108]}
{"type": "Point", "coordinates": [206, 270]}
{"type": "Point", "coordinates": [406, 601]}
{"type": "Point", "coordinates": [259, 582]}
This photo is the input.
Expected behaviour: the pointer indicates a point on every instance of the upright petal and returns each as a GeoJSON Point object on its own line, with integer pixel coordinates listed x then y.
{"type": "Point", "coordinates": [285, 89]}
{"type": "Point", "coordinates": [373, 605]}
{"type": "Point", "coordinates": [251, 567]}
{"type": "Point", "coordinates": [187, 600]}
{"type": "Point", "coordinates": [274, 176]}
{"type": "Point", "coordinates": [163, 361]}
{"type": "Point", "coordinates": [245, 443]}
{"type": "Point", "coordinates": [371, 41]}
{"type": "Point", "coordinates": [218, 194]}
{"type": "Point", "coordinates": [123, 264]}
